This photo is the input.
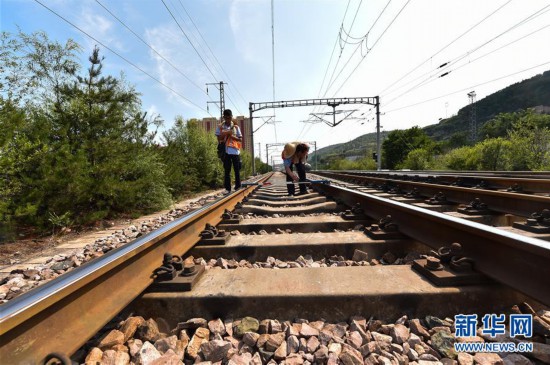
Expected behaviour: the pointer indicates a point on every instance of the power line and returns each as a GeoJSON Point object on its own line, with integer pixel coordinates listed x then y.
{"type": "Point", "coordinates": [213, 54]}
{"type": "Point", "coordinates": [192, 45]}
{"type": "Point", "coordinates": [467, 88]}
{"type": "Point", "coordinates": [371, 48]}
{"type": "Point", "coordinates": [123, 58]}
{"type": "Point", "coordinates": [189, 40]}
{"type": "Point", "coordinates": [341, 49]}
{"type": "Point", "coordinates": [459, 58]}
{"type": "Point", "coordinates": [445, 47]}
{"type": "Point", "coordinates": [360, 45]}
{"type": "Point", "coordinates": [216, 63]}
{"type": "Point", "coordinates": [148, 45]}
{"type": "Point", "coordinates": [328, 66]}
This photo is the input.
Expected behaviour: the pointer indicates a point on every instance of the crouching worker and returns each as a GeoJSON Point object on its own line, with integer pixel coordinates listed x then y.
{"type": "Point", "coordinates": [295, 154]}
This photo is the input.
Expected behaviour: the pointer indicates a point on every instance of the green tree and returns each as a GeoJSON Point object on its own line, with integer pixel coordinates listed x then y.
{"type": "Point", "coordinates": [75, 147]}
{"type": "Point", "coordinates": [364, 163]}
{"type": "Point", "coordinates": [418, 159]}
{"type": "Point", "coordinates": [463, 158]}
{"type": "Point", "coordinates": [494, 154]}
{"type": "Point", "coordinates": [399, 143]}
{"type": "Point", "coordinates": [499, 126]}
{"type": "Point", "coordinates": [262, 167]}
{"type": "Point", "coordinates": [190, 157]}
{"type": "Point", "coordinates": [33, 68]}
{"type": "Point", "coordinates": [530, 142]}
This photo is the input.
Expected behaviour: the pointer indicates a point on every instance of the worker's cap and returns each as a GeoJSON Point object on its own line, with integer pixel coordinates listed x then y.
{"type": "Point", "coordinates": [289, 150]}
{"type": "Point", "coordinates": [227, 113]}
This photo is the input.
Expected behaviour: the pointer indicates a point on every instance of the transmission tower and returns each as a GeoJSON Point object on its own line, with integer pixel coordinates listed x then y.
{"type": "Point", "coordinates": [220, 103]}
{"type": "Point", "coordinates": [473, 117]}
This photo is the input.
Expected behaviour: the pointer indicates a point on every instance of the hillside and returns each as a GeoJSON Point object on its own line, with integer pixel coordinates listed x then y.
{"type": "Point", "coordinates": [521, 95]}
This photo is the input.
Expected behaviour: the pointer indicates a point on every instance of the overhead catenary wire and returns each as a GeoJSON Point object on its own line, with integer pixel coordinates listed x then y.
{"type": "Point", "coordinates": [122, 57]}
{"type": "Point", "coordinates": [466, 88]}
{"type": "Point", "coordinates": [445, 70]}
{"type": "Point", "coordinates": [328, 66]}
{"type": "Point", "coordinates": [341, 49]}
{"type": "Point", "coordinates": [213, 61]}
{"type": "Point", "coordinates": [476, 59]}
{"type": "Point", "coordinates": [332, 53]}
{"type": "Point", "coordinates": [371, 48]}
{"type": "Point", "coordinates": [233, 84]}
{"type": "Point", "coordinates": [326, 70]}
{"type": "Point", "coordinates": [195, 48]}
{"type": "Point", "coordinates": [360, 45]}
{"type": "Point", "coordinates": [446, 46]}
{"type": "Point", "coordinates": [438, 52]}
{"type": "Point", "coordinates": [273, 61]}
{"type": "Point", "coordinates": [148, 45]}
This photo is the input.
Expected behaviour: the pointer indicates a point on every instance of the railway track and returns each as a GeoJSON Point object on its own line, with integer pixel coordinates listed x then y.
{"type": "Point", "coordinates": [321, 258]}
{"type": "Point", "coordinates": [537, 183]}
{"type": "Point", "coordinates": [479, 199]}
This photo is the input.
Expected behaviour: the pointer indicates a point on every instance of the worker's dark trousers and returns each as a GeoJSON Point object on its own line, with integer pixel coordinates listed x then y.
{"type": "Point", "coordinates": [235, 161]}
{"type": "Point", "coordinates": [301, 169]}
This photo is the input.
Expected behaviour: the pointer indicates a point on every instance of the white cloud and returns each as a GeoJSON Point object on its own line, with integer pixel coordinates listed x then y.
{"type": "Point", "coordinates": [251, 27]}
{"type": "Point", "coordinates": [100, 27]}
{"type": "Point", "coordinates": [152, 111]}
{"type": "Point", "coordinates": [169, 42]}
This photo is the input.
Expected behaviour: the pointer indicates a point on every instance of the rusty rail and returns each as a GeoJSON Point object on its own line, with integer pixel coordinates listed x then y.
{"type": "Point", "coordinates": [520, 262]}
{"type": "Point", "coordinates": [71, 308]}
{"type": "Point", "coordinates": [499, 201]}
{"type": "Point", "coordinates": [529, 182]}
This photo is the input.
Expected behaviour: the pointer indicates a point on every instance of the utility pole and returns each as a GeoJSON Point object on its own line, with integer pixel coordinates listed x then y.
{"type": "Point", "coordinates": [378, 150]}
{"type": "Point", "coordinates": [220, 103]}
{"type": "Point", "coordinates": [473, 117]}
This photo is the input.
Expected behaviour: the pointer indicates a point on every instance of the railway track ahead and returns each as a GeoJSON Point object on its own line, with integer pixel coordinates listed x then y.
{"type": "Point", "coordinates": [518, 182]}
{"type": "Point", "coordinates": [480, 199]}
{"type": "Point", "coordinates": [333, 253]}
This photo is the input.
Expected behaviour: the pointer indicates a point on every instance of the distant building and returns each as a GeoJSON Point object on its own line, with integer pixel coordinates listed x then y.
{"type": "Point", "coordinates": [210, 124]}
{"type": "Point", "coordinates": [542, 109]}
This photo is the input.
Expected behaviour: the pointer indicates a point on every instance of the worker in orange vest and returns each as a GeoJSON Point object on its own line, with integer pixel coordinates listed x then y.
{"type": "Point", "coordinates": [230, 134]}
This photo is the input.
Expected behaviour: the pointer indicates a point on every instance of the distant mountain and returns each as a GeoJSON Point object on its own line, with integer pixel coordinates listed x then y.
{"type": "Point", "coordinates": [519, 96]}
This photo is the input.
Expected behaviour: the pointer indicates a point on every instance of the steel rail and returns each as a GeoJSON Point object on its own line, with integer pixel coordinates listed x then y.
{"type": "Point", "coordinates": [61, 315]}
{"type": "Point", "coordinates": [499, 201]}
{"type": "Point", "coordinates": [520, 262]}
{"type": "Point", "coordinates": [531, 184]}
{"type": "Point", "coordinates": [518, 174]}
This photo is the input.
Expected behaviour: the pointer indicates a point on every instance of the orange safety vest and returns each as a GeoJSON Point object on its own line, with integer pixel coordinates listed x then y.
{"type": "Point", "coordinates": [230, 141]}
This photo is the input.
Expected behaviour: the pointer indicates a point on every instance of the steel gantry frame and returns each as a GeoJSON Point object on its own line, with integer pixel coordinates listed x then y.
{"type": "Point", "coordinates": [333, 102]}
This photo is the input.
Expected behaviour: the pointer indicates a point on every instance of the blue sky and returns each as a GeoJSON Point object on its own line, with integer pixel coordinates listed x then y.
{"type": "Point", "coordinates": [373, 44]}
